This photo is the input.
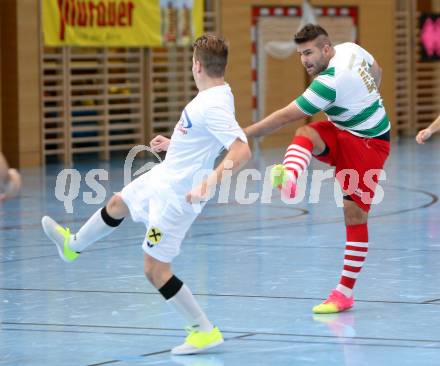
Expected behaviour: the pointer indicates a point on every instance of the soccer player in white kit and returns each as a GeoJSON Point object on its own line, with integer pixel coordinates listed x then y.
{"type": "Point", "coordinates": [164, 198]}
{"type": "Point", "coordinates": [354, 139]}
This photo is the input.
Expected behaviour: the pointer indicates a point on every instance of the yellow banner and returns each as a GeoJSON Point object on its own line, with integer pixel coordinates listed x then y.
{"type": "Point", "coordinates": [129, 23]}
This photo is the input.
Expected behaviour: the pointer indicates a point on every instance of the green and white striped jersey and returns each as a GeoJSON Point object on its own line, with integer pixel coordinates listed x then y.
{"type": "Point", "coordinates": [347, 93]}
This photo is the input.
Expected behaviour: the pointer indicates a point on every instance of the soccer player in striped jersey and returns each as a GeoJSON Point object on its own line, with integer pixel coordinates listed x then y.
{"type": "Point", "coordinates": [354, 139]}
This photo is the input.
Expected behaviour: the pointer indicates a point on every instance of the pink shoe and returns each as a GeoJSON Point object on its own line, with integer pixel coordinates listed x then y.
{"type": "Point", "coordinates": [283, 180]}
{"type": "Point", "coordinates": [288, 190]}
{"type": "Point", "coordinates": [335, 303]}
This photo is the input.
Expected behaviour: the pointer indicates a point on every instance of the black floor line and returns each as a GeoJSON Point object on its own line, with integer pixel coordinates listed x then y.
{"type": "Point", "coordinates": [431, 301]}
{"type": "Point", "coordinates": [159, 352]}
{"type": "Point", "coordinates": [347, 343]}
{"type": "Point", "coordinates": [426, 302]}
{"type": "Point", "coordinates": [341, 341]}
{"type": "Point", "coordinates": [240, 334]}
{"type": "Point", "coordinates": [89, 332]}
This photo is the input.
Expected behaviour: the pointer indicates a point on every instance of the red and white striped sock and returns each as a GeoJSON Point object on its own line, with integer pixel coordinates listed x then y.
{"type": "Point", "coordinates": [298, 156]}
{"type": "Point", "coordinates": [356, 250]}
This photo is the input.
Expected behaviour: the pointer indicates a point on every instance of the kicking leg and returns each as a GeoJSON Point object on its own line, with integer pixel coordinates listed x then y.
{"type": "Point", "coordinates": [102, 223]}
{"type": "Point", "coordinates": [296, 160]}
{"type": "Point", "coordinates": [202, 334]}
{"type": "Point", "coordinates": [356, 250]}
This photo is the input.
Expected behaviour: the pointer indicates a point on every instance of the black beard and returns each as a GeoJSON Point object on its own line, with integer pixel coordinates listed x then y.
{"type": "Point", "coordinates": [319, 69]}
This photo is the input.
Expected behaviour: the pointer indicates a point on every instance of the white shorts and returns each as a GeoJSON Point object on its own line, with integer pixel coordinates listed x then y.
{"type": "Point", "coordinates": [165, 213]}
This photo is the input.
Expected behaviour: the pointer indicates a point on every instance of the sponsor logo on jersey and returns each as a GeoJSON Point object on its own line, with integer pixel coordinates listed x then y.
{"type": "Point", "coordinates": [184, 123]}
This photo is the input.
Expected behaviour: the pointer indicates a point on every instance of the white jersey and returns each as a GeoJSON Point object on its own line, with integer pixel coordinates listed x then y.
{"type": "Point", "coordinates": [157, 198]}
{"type": "Point", "coordinates": [207, 126]}
{"type": "Point", "coordinates": [347, 93]}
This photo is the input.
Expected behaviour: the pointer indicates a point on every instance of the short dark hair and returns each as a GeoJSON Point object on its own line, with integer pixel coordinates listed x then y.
{"type": "Point", "coordinates": [309, 33]}
{"type": "Point", "coordinates": [212, 52]}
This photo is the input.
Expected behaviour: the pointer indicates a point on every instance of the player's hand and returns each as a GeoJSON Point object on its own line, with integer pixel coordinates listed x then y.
{"type": "Point", "coordinates": [160, 143]}
{"type": "Point", "coordinates": [199, 194]}
{"type": "Point", "coordinates": [13, 186]}
{"type": "Point", "coordinates": [423, 135]}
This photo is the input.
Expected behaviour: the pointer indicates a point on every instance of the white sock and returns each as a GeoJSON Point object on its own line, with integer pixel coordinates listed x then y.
{"type": "Point", "coordinates": [94, 229]}
{"type": "Point", "coordinates": [185, 304]}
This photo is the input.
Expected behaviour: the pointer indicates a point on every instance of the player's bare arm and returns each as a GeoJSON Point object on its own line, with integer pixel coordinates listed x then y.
{"type": "Point", "coordinates": [278, 119]}
{"type": "Point", "coordinates": [238, 154]}
{"type": "Point", "coordinates": [426, 133]}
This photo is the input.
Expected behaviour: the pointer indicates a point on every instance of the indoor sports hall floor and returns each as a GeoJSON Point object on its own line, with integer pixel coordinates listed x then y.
{"type": "Point", "coordinates": [256, 269]}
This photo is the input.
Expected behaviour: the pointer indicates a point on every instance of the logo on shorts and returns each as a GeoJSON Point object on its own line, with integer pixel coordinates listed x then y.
{"type": "Point", "coordinates": [154, 236]}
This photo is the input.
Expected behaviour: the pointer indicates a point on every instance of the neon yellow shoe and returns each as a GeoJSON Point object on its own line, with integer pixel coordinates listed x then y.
{"type": "Point", "coordinates": [284, 180]}
{"type": "Point", "coordinates": [335, 303]}
{"type": "Point", "coordinates": [198, 341]}
{"type": "Point", "coordinates": [61, 237]}
{"type": "Point", "coordinates": [278, 176]}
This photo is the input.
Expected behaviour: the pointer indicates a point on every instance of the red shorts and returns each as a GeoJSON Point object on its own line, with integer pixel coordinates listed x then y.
{"type": "Point", "coordinates": [358, 161]}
